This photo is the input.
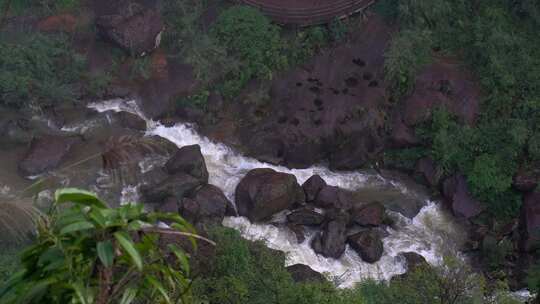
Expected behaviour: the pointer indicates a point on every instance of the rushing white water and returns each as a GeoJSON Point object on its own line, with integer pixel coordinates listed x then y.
{"type": "Point", "coordinates": [431, 233]}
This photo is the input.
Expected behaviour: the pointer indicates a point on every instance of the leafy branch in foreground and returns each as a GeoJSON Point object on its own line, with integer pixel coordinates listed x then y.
{"type": "Point", "coordinates": [87, 252]}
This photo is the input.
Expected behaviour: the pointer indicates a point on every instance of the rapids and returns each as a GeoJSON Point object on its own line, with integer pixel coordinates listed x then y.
{"type": "Point", "coordinates": [431, 233]}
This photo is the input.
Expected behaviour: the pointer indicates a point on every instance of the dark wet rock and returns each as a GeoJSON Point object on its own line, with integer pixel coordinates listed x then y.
{"type": "Point", "coordinates": [208, 203]}
{"type": "Point", "coordinates": [401, 135]}
{"type": "Point", "coordinates": [459, 198]}
{"type": "Point", "coordinates": [15, 131]}
{"type": "Point", "coordinates": [190, 210]}
{"type": "Point", "coordinates": [159, 94]}
{"type": "Point", "coordinates": [298, 231]}
{"type": "Point", "coordinates": [202, 254]}
{"type": "Point", "coordinates": [333, 197]}
{"type": "Point", "coordinates": [305, 216]}
{"type": "Point", "coordinates": [231, 210]}
{"type": "Point", "coordinates": [414, 261]}
{"type": "Point", "coordinates": [525, 181]}
{"type": "Point", "coordinates": [215, 102]}
{"type": "Point", "coordinates": [178, 186]}
{"type": "Point", "coordinates": [265, 192]}
{"type": "Point", "coordinates": [331, 242]}
{"type": "Point", "coordinates": [303, 273]}
{"type": "Point", "coordinates": [427, 168]}
{"type": "Point", "coordinates": [131, 121]}
{"type": "Point", "coordinates": [169, 205]}
{"type": "Point", "coordinates": [368, 244]}
{"type": "Point", "coordinates": [312, 186]}
{"type": "Point", "coordinates": [301, 155]}
{"type": "Point", "coordinates": [372, 214]}
{"type": "Point", "coordinates": [266, 148]}
{"type": "Point", "coordinates": [326, 109]}
{"type": "Point", "coordinates": [355, 152]}
{"type": "Point", "coordinates": [134, 28]}
{"type": "Point", "coordinates": [189, 160]}
{"type": "Point", "coordinates": [45, 153]}
{"type": "Point", "coordinates": [530, 222]}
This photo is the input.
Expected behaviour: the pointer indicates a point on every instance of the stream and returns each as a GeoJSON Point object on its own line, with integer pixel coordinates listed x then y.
{"type": "Point", "coordinates": [432, 233]}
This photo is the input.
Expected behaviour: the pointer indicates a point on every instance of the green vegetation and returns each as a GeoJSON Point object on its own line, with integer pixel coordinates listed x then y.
{"type": "Point", "coordinates": [86, 252]}
{"type": "Point", "coordinates": [41, 7]}
{"type": "Point", "coordinates": [249, 273]}
{"type": "Point", "coordinates": [408, 52]}
{"type": "Point", "coordinates": [9, 262]}
{"type": "Point", "coordinates": [39, 71]}
{"type": "Point", "coordinates": [500, 45]}
{"type": "Point", "coordinates": [251, 40]}
{"type": "Point", "coordinates": [241, 45]}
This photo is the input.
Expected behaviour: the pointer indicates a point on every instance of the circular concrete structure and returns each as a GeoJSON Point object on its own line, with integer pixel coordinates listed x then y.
{"type": "Point", "coordinates": [307, 12]}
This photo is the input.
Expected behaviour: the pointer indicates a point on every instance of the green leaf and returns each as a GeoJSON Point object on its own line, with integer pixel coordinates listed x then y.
{"type": "Point", "coordinates": [36, 292]}
{"type": "Point", "coordinates": [81, 292]}
{"type": "Point", "coordinates": [157, 285]}
{"type": "Point", "coordinates": [78, 226]}
{"type": "Point", "coordinates": [181, 256]}
{"type": "Point", "coordinates": [128, 245]}
{"type": "Point", "coordinates": [137, 225]}
{"type": "Point", "coordinates": [105, 252]}
{"type": "Point", "coordinates": [128, 296]}
{"type": "Point", "coordinates": [98, 218]}
{"type": "Point", "coordinates": [78, 196]}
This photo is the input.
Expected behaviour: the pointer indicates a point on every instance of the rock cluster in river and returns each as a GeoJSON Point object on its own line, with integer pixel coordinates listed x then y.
{"type": "Point", "coordinates": [332, 211]}
{"type": "Point", "coordinates": [182, 186]}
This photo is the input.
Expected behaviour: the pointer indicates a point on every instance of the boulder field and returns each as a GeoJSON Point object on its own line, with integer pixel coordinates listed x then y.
{"type": "Point", "coordinates": [181, 185]}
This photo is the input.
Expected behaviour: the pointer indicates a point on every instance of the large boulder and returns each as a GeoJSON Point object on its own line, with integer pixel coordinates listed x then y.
{"type": "Point", "coordinates": [368, 245]}
{"type": "Point", "coordinates": [460, 200]}
{"type": "Point", "coordinates": [428, 170]}
{"type": "Point", "coordinates": [131, 121]}
{"type": "Point", "coordinates": [45, 153]}
{"type": "Point", "coordinates": [188, 160]}
{"type": "Point", "coordinates": [208, 204]}
{"type": "Point", "coordinates": [333, 197]}
{"type": "Point", "coordinates": [134, 28]}
{"type": "Point", "coordinates": [369, 215]}
{"type": "Point", "coordinates": [414, 261]}
{"type": "Point", "coordinates": [312, 186]}
{"type": "Point", "coordinates": [331, 242]}
{"type": "Point", "coordinates": [303, 273]}
{"type": "Point", "coordinates": [179, 186]}
{"type": "Point", "coordinates": [298, 231]}
{"type": "Point", "coordinates": [265, 192]}
{"type": "Point", "coordinates": [530, 222]}
{"type": "Point", "coordinates": [305, 216]}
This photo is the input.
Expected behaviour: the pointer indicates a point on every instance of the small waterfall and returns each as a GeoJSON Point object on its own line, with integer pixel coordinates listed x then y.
{"type": "Point", "coordinates": [431, 233]}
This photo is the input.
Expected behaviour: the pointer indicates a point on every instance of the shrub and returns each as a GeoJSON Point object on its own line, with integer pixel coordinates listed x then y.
{"type": "Point", "coordinates": [9, 263]}
{"type": "Point", "coordinates": [90, 253]}
{"type": "Point", "coordinates": [338, 30]}
{"type": "Point", "coordinates": [40, 70]}
{"type": "Point", "coordinates": [250, 273]}
{"type": "Point", "coordinates": [451, 283]}
{"type": "Point", "coordinates": [404, 159]}
{"type": "Point", "coordinates": [253, 40]}
{"type": "Point", "coordinates": [409, 50]}
{"type": "Point", "coordinates": [305, 44]}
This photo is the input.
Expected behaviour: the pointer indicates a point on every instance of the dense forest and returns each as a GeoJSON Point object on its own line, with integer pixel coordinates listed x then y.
{"type": "Point", "coordinates": [444, 92]}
